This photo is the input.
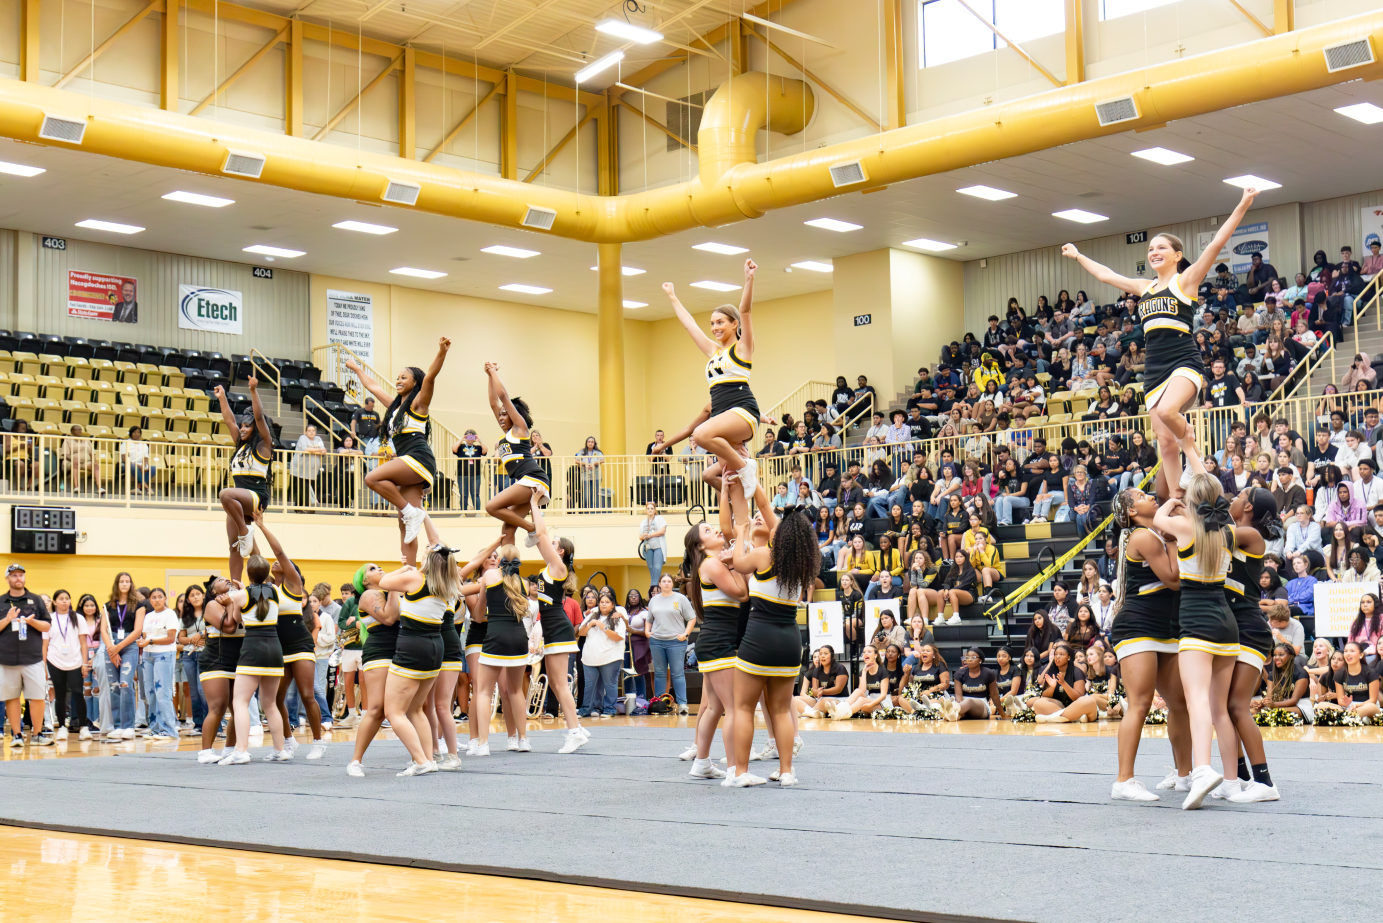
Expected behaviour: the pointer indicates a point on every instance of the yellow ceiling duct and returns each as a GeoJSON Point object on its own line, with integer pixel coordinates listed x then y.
{"type": "Point", "coordinates": [731, 185]}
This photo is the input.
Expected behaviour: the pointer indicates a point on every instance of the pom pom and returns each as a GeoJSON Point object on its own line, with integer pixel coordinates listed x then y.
{"type": "Point", "coordinates": [1156, 716]}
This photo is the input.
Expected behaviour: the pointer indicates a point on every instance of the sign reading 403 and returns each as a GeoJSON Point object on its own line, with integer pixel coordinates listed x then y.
{"type": "Point", "coordinates": [216, 310]}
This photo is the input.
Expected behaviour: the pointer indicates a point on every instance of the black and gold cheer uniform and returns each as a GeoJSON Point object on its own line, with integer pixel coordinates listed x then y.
{"type": "Point", "coordinates": [418, 652]}
{"type": "Point", "coordinates": [250, 467]}
{"type": "Point", "coordinates": [559, 636]}
{"type": "Point", "coordinates": [453, 658]}
{"type": "Point", "coordinates": [772, 643]}
{"type": "Point", "coordinates": [506, 643]}
{"type": "Point", "coordinates": [1255, 634]}
{"type": "Point", "coordinates": [221, 653]}
{"type": "Point", "coordinates": [1147, 619]}
{"type": "Point", "coordinates": [408, 433]}
{"type": "Point", "coordinates": [728, 376]}
{"type": "Point", "coordinates": [294, 637]}
{"type": "Point", "coordinates": [380, 643]}
{"type": "Point", "coordinates": [516, 460]}
{"type": "Point", "coordinates": [1206, 621]}
{"type": "Point", "coordinates": [720, 633]}
{"type": "Point", "coordinates": [261, 653]}
{"type": "Point", "coordinates": [1167, 316]}
{"type": "Point", "coordinates": [476, 631]}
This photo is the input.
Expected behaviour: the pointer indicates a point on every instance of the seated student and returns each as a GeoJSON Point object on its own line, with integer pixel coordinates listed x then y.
{"type": "Point", "coordinates": [918, 634]}
{"type": "Point", "coordinates": [1062, 695]}
{"type": "Point", "coordinates": [1356, 684]}
{"type": "Point", "coordinates": [984, 557]}
{"type": "Point", "coordinates": [888, 571]}
{"type": "Point", "coordinates": [1286, 630]}
{"type": "Point", "coordinates": [1286, 685]}
{"type": "Point", "coordinates": [872, 691]}
{"type": "Point", "coordinates": [930, 676]}
{"type": "Point", "coordinates": [826, 680]}
{"type": "Point", "coordinates": [976, 689]}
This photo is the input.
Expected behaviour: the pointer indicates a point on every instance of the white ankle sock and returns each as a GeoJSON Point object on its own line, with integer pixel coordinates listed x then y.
{"type": "Point", "coordinates": [409, 509]}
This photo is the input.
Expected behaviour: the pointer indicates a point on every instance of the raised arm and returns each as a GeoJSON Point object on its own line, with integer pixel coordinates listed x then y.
{"type": "Point", "coordinates": [499, 399]}
{"type": "Point", "coordinates": [1104, 273]}
{"type": "Point", "coordinates": [404, 580]}
{"type": "Point", "coordinates": [683, 433]}
{"type": "Point", "coordinates": [1167, 521]}
{"type": "Point", "coordinates": [260, 423]}
{"type": "Point", "coordinates": [1193, 275]}
{"type": "Point", "coordinates": [556, 568]}
{"type": "Point", "coordinates": [703, 342]}
{"type": "Point", "coordinates": [291, 581]}
{"type": "Point", "coordinates": [474, 563]}
{"type": "Point", "coordinates": [232, 424]}
{"type": "Point", "coordinates": [746, 344]}
{"type": "Point", "coordinates": [424, 399]}
{"type": "Point", "coordinates": [370, 385]}
{"type": "Point", "coordinates": [749, 559]}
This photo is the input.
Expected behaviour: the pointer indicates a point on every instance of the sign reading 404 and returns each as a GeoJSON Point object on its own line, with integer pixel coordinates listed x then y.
{"type": "Point", "coordinates": [215, 310]}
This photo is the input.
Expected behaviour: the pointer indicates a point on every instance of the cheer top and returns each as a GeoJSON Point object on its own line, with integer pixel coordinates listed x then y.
{"type": "Point", "coordinates": [248, 463]}
{"type": "Point", "coordinates": [1166, 308]}
{"type": "Point", "coordinates": [725, 367]}
{"type": "Point", "coordinates": [406, 429]}
{"type": "Point", "coordinates": [424, 608]}
{"type": "Point", "coordinates": [1191, 570]}
{"type": "Point", "coordinates": [248, 612]}
{"type": "Point", "coordinates": [213, 632]}
{"type": "Point", "coordinates": [1244, 571]}
{"type": "Point", "coordinates": [713, 596]}
{"type": "Point", "coordinates": [1139, 578]}
{"type": "Point", "coordinates": [513, 450]}
{"type": "Point", "coordinates": [766, 596]}
{"type": "Point", "coordinates": [290, 606]}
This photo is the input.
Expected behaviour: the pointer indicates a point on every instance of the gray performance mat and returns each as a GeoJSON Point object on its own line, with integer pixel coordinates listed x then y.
{"type": "Point", "coordinates": [900, 826]}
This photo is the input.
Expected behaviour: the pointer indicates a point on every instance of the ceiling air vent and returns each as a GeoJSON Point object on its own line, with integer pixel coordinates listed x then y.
{"type": "Point", "coordinates": [401, 193]}
{"type": "Point", "coordinates": [60, 129]}
{"type": "Point", "coordinates": [240, 163]}
{"type": "Point", "coordinates": [1114, 111]}
{"type": "Point", "coordinates": [540, 218]}
{"type": "Point", "coordinates": [1350, 54]}
{"type": "Point", "coordinates": [848, 174]}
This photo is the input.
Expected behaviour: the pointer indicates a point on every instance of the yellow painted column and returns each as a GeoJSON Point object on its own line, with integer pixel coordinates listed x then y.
{"type": "Point", "coordinates": [28, 40]}
{"type": "Point", "coordinates": [294, 85]}
{"type": "Point", "coordinates": [610, 331]}
{"type": "Point", "coordinates": [169, 53]}
{"type": "Point", "coordinates": [1075, 42]}
{"type": "Point", "coordinates": [509, 130]}
{"type": "Point", "coordinates": [1284, 16]}
{"type": "Point", "coordinates": [408, 144]}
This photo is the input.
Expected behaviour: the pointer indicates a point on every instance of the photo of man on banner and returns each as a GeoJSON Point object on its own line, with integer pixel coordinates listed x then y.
{"type": "Point", "coordinates": [126, 310]}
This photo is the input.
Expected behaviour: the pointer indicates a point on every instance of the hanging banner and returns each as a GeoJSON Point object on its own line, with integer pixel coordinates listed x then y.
{"type": "Point", "coordinates": [97, 296]}
{"type": "Point", "coordinates": [872, 608]}
{"type": "Point", "coordinates": [1246, 240]}
{"type": "Point", "coordinates": [215, 310]}
{"type": "Point", "coordinates": [826, 625]}
{"type": "Point", "coordinates": [1371, 219]}
{"type": "Point", "coordinates": [1336, 606]}
{"type": "Point", "coordinates": [351, 322]}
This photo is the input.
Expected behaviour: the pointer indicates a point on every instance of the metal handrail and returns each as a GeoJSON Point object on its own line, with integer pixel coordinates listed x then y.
{"type": "Point", "coordinates": [270, 373]}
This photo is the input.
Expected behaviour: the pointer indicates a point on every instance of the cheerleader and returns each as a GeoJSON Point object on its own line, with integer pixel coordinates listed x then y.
{"type": "Point", "coordinates": [379, 616]}
{"type": "Point", "coordinates": [1167, 309]}
{"type": "Point", "coordinates": [259, 667]}
{"type": "Point", "coordinates": [734, 412]}
{"type": "Point", "coordinates": [711, 476]}
{"type": "Point", "coordinates": [717, 595]}
{"type": "Point", "coordinates": [1208, 635]}
{"type": "Point", "coordinates": [477, 625]}
{"type": "Point", "coordinates": [425, 595]}
{"type": "Point", "coordinates": [976, 692]}
{"type": "Point", "coordinates": [781, 560]}
{"type": "Point", "coordinates": [295, 640]}
{"type": "Point", "coordinates": [250, 467]}
{"type": "Point", "coordinates": [504, 653]}
{"type": "Point", "coordinates": [530, 481]}
{"type": "Point", "coordinates": [404, 479]}
{"type": "Point", "coordinates": [555, 581]}
{"type": "Point", "coordinates": [1255, 521]}
{"type": "Point", "coordinates": [1147, 595]}
{"type": "Point", "coordinates": [224, 636]}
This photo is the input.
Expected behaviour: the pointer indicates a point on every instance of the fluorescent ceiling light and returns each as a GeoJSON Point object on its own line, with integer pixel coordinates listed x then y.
{"type": "Point", "coordinates": [274, 251]}
{"type": "Point", "coordinates": [1163, 156]}
{"type": "Point", "coordinates": [1367, 113]}
{"type": "Point", "coordinates": [717, 286]}
{"type": "Point", "coordinates": [1080, 215]}
{"type": "Point", "coordinates": [636, 304]}
{"type": "Point", "coordinates": [525, 289]}
{"type": "Point", "coordinates": [19, 169]}
{"type": "Point", "coordinates": [831, 224]}
{"type": "Point", "coordinates": [628, 30]}
{"type": "Point", "coordinates": [610, 60]}
{"type": "Point", "coordinates": [1248, 179]}
{"type": "Point", "coordinates": [923, 243]}
{"type": "Point", "coordinates": [192, 198]}
{"type": "Point", "coordinates": [987, 192]}
{"type": "Point", "coordinates": [814, 266]}
{"type": "Point", "coordinates": [516, 252]}
{"type": "Point", "coordinates": [625, 270]}
{"type": "Point", "coordinates": [420, 273]}
{"type": "Point", "coordinates": [726, 249]}
{"type": "Point", "coordinates": [364, 227]}
{"type": "Point", "coordinates": [109, 226]}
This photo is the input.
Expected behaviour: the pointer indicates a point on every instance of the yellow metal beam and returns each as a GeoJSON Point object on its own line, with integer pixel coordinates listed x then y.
{"type": "Point", "coordinates": [718, 34]}
{"type": "Point", "coordinates": [1257, 23]}
{"type": "Point", "coordinates": [657, 124]}
{"type": "Point", "coordinates": [893, 64]}
{"type": "Point", "coordinates": [408, 132]}
{"type": "Point", "coordinates": [1284, 16]}
{"type": "Point", "coordinates": [610, 346]}
{"type": "Point", "coordinates": [509, 130]}
{"type": "Point", "coordinates": [346, 109]}
{"type": "Point", "coordinates": [1014, 45]}
{"type": "Point", "coordinates": [242, 70]}
{"type": "Point", "coordinates": [168, 90]}
{"type": "Point", "coordinates": [1075, 42]}
{"type": "Point", "coordinates": [293, 84]}
{"type": "Point", "coordinates": [557, 148]}
{"type": "Point", "coordinates": [608, 150]}
{"type": "Point", "coordinates": [496, 89]}
{"type": "Point", "coordinates": [86, 62]}
{"type": "Point", "coordinates": [28, 40]}
{"type": "Point", "coordinates": [830, 91]}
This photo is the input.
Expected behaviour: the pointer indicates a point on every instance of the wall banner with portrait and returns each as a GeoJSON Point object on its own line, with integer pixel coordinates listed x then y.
{"type": "Point", "coordinates": [98, 296]}
{"type": "Point", "coordinates": [826, 625]}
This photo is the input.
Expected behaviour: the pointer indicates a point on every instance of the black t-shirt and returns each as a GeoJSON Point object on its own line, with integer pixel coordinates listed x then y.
{"type": "Point", "coordinates": [15, 652]}
{"type": "Point", "coordinates": [854, 526]}
{"type": "Point", "coordinates": [1030, 466]}
{"type": "Point", "coordinates": [1005, 678]}
{"type": "Point", "coordinates": [1112, 460]}
{"type": "Point", "coordinates": [895, 677]}
{"type": "Point", "coordinates": [1357, 686]}
{"type": "Point", "coordinates": [920, 428]}
{"type": "Point", "coordinates": [469, 454]}
{"type": "Point", "coordinates": [1223, 391]}
{"type": "Point", "coordinates": [827, 678]}
{"type": "Point", "coordinates": [1051, 480]}
{"type": "Point", "coordinates": [873, 681]}
{"type": "Point", "coordinates": [1071, 675]}
{"type": "Point", "coordinates": [929, 676]}
{"type": "Point", "coordinates": [667, 450]}
{"type": "Point", "coordinates": [842, 398]}
{"type": "Point", "coordinates": [1318, 455]}
{"type": "Point", "coordinates": [366, 423]}
{"type": "Point", "coordinates": [956, 522]}
{"type": "Point", "coordinates": [976, 687]}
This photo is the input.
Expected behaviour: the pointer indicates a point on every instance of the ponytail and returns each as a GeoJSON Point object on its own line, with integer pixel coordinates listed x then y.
{"type": "Point", "coordinates": [513, 583]}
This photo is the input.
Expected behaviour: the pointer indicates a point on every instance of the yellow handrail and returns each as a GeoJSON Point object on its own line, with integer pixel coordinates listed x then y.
{"type": "Point", "coordinates": [267, 371]}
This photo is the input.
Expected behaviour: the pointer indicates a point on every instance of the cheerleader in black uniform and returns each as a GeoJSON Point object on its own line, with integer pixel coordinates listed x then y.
{"type": "Point", "coordinates": [250, 467]}
{"type": "Point", "coordinates": [781, 560]}
{"type": "Point", "coordinates": [477, 626]}
{"type": "Point", "coordinates": [1208, 634]}
{"type": "Point", "coordinates": [438, 706]}
{"type": "Point", "coordinates": [1147, 596]}
{"type": "Point", "coordinates": [730, 358]}
{"type": "Point", "coordinates": [717, 594]}
{"type": "Point", "coordinates": [299, 650]}
{"type": "Point", "coordinates": [379, 617]}
{"type": "Point", "coordinates": [1255, 521]}
{"type": "Point", "coordinates": [711, 475]}
{"type": "Point", "coordinates": [503, 653]}
{"type": "Point", "coordinates": [1167, 309]}
{"type": "Point", "coordinates": [260, 665]}
{"type": "Point", "coordinates": [224, 635]}
{"type": "Point", "coordinates": [555, 581]}
{"type": "Point", "coordinates": [412, 471]}
{"type": "Point", "coordinates": [529, 481]}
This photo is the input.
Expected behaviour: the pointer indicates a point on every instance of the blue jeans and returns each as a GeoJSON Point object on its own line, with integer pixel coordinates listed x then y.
{"type": "Point", "coordinates": [1043, 508]}
{"type": "Point", "coordinates": [193, 670]}
{"type": "Point", "coordinates": [670, 655]}
{"type": "Point", "coordinates": [162, 668]}
{"type": "Point", "coordinates": [1004, 506]}
{"type": "Point", "coordinates": [656, 558]}
{"type": "Point", "coordinates": [139, 476]}
{"type": "Point", "coordinates": [470, 491]}
{"type": "Point", "coordinates": [122, 692]}
{"type": "Point", "coordinates": [319, 686]}
{"type": "Point", "coordinates": [600, 688]}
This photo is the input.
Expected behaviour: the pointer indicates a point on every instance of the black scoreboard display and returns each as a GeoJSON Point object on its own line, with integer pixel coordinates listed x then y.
{"type": "Point", "coordinates": [43, 530]}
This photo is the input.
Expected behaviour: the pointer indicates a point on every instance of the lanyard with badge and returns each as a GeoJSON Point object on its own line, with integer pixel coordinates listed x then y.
{"type": "Point", "coordinates": [120, 631]}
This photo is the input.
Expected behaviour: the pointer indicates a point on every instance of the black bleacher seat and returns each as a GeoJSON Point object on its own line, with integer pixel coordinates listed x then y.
{"type": "Point", "coordinates": [307, 371]}
{"type": "Point", "coordinates": [314, 390]}
{"type": "Point", "coordinates": [53, 344]}
{"type": "Point", "coordinates": [287, 445]}
{"type": "Point", "coordinates": [78, 348]}
{"type": "Point", "coordinates": [195, 379]}
{"type": "Point", "coordinates": [292, 391]}
{"type": "Point", "coordinates": [338, 410]}
{"type": "Point", "coordinates": [103, 349]}
{"type": "Point", "coordinates": [8, 342]}
{"type": "Point", "coordinates": [218, 362]}
{"type": "Point", "coordinates": [169, 355]}
{"type": "Point", "coordinates": [213, 379]}
{"type": "Point", "coordinates": [32, 344]}
{"type": "Point", "coordinates": [119, 344]}
{"type": "Point", "coordinates": [194, 359]}
{"type": "Point", "coordinates": [333, 393]}
{"type": "Point", "coordinates": [151, 356]}
{"type": "Point", "coordinates": [240, 367]}
{"type": "Point", "coordinates": [130, 354]}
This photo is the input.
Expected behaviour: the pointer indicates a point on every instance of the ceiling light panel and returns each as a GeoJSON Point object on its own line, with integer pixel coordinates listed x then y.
{"type": "Point", "coordinates": [417, 273]}
{"type": "Point", "coordinates": [717, 286]}
{"type": "Point", "coordinates": [274, 251]}
{"type": "Point", "coordinates": [195, 198]}
{"type": "Point", "coordinates": [923, 243]}
{"type": "Point", "coordinates": [622, 29]}
{"type": "Point", "coordinates": [814, 266]}
{"type": "Point", "coordinates": [605, 63]}
{"type": "Point", "coordinates": [831, 224]}
{"type": "Point", "coordinates": [111, 226]}
{"type": "Point", "coordinates": [1367, 113]}
{"type": "Point", "coordinates": [625, 270]}
{"type": "Point", "coordinates": [1163, 156]}
{"type": "Point", "coordinates": [724, 249]}
{"type": "Point", "coordinates": [1258, 182]}
{"type": "Point", "coordinates": [364, 227]}
{"type": "Point", "coordinates": [636, 304]}
{"type": "Point", "coordinates": [1080, 216]}
{"type": "Point", "coordinates": [987, 192]}
{"type": "Point", "coordinates": [516, 252]}
{"type": "Point", "coordinates": [525, 289]}
{"type": "Point", "coordinates": [19, 169]}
